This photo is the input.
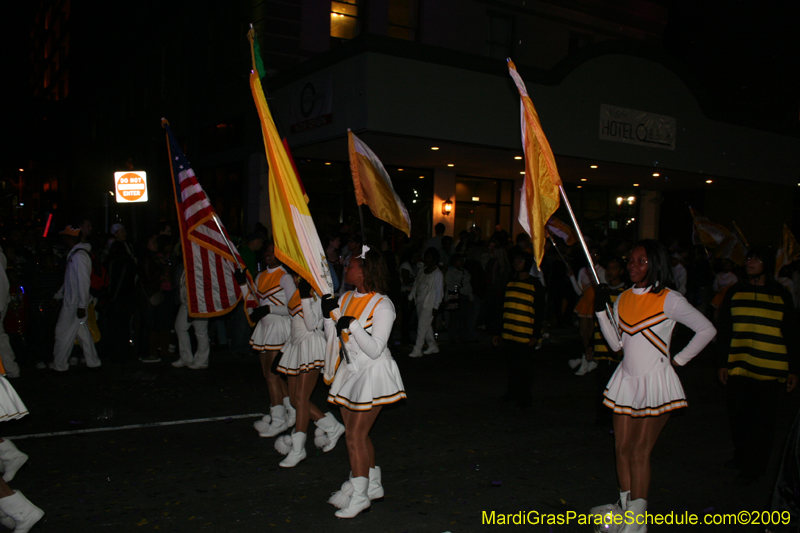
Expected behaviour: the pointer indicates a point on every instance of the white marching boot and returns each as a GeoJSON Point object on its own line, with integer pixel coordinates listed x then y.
{"type": "Point", "coordinates": [23, 512]}
{"type": "Point", "coordinates": [359, 501]}
{"type": "Point", "coordinates": [638, 507]}
{"type": "Point", "coordinates": [328, 432]}
{"type": "Point", "coordinates": [375, 490]}
{"type": "Point", "coordinates": [12, 459]}
{"type": "Point", "coordinates": [283, 444]}
{"type": "Point", "coordinates": [623, 499]}
{"type": "Point", "coordinates": [291, 413]}
{"type": "Point", "coordinates": [298, 452]}
{"type": "Point", "coordinates": [341, 498]}
{"type": "Point", "coordinates": [613, 515]}
{"type": "Point", "coordinates": [262, 425]}
{"type": "Point", "coordinates": [277, 424]}
{"type": "Point", "coordinates": [583, 367]}
{"type": "Point", "coordinates": [7, 521]}
{"type": "Point", "coordinates": [574, 363]}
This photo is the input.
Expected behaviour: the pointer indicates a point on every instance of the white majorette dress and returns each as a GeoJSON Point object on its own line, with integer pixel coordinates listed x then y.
{"type": "Point", "coordinates": [306, 347]}
{"type": "Point", "coordinates": [645, 384]}
{"type": "Point", "coordinates": [273, 286]}
{"type": "Point", "coordinates": [372, 377]}
{"type": "Point", "coordinates": [11, 406]}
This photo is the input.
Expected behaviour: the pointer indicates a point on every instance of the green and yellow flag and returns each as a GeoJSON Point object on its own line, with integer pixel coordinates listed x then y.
{"type": "Point", "coordinates": [297, 243]}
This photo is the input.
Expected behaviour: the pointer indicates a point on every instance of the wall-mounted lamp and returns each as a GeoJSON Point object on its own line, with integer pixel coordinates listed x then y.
{"type": "Point", "coordinates": [447, 208]}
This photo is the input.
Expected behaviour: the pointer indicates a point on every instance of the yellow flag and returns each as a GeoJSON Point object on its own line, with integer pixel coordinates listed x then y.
{"type": "Point", "coordinates": [789, 252]}
{"type": "Point", "coordinates": [540, 189]}
{"type": "Point", "coordinates": [297, 243]}
{"type": "Point", "coordinates": [374, 186]}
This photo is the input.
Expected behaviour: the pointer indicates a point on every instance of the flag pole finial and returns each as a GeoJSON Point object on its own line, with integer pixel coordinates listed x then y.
{"type": "Point", "coordinates": [164, 122]}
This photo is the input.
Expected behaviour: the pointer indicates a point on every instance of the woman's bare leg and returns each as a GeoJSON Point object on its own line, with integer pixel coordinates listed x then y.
{"type": "Point", "coordinates": [277, 388]}
{"type": "Point", "coordinates": [359, 446]}
{"type": "Point", "coordinates": [635, 439]}
{"type": "Point", "coordinates": [300, 389]}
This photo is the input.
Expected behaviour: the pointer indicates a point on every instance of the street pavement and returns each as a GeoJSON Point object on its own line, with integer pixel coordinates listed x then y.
{"type": "Point", "coordinates": [451, 454]}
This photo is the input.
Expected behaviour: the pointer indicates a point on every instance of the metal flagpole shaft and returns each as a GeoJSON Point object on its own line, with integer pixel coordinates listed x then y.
{"type": "Point", "coordinates": [586, 251]}
{"type": "Point", "coordinates": [559, 251]}
{"type": "Point", "coordinates": [580, 234]}
{"type": "Point", "coordinates": [230, 247]}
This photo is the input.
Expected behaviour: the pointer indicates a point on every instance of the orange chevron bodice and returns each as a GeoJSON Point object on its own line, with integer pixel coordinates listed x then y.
{"type": "Point", "coordinates": [638, 313]}
{"type": "Point", "coordinates": [355, 307]}
{"type": "Point", "coordinates": [269, 284]}
{"type": "Point", "coordinates": [295, 305]}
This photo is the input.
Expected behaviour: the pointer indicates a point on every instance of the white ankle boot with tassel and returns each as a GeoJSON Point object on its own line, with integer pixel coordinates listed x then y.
{"type": "Point", "coordinates": [23, 512]}
{"type": "Point", "coordinates": [277, 424]}
{"type": "Point", "coordinates": [359, 501]}
{"type": "Point", "coordinates": [12, 459]}
{"type": "Point", "coordinates": [298, 451]}
{"type": "Point", "coordinates": [637, 508]}
{"type": "Point", "coordinates": [328, 432]}
{"type": "Point", "coordinates": [341, 498]}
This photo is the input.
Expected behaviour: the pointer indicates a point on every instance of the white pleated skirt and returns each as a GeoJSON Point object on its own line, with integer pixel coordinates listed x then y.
{"type": "Point", "coordinates": [652, 393]}
{"type": "Point", "coordinates": [271, 333]}
{"type": "Point", "coordinates": [11, 405]}
{"type": "Point", "coordinates": [374, 382]}
{"type": "Point", "coordinates": [305, 355]}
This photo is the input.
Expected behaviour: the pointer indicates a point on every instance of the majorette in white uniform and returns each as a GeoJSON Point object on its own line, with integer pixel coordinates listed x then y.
{"type": "Point", "coordinates": [645, 384]}
{"type": "Point", "coordinates": [372, 377]}
{"type": "Point", "coordinates": [305, 349]}
{"type": "Point", "coordinates": [273, 287]}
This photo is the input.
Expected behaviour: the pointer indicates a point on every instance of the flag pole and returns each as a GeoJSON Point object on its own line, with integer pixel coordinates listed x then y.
{"type": "Point", "coordinates": [557, 250]}
{"type": "Point", "coordinates": [586, 251]}
{"type": "Point", "coordinates": [230, 248]}
{"type": "Point", "coordinates": [580, 234]}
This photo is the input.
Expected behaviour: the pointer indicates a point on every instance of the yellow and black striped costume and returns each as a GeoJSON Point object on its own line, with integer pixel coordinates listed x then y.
{"type": "Point", "coordinates": [520, 309]}
{"type": "Point", "coordinates": [601, 349]}
{"type": "Point", "coordinates": [757, 332]}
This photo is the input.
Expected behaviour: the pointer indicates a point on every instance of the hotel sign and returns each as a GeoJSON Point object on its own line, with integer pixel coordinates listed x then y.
{"type": "Point", "coordinates": [312, 106]}
{"type": "Point", "coordinates": [630, 126]}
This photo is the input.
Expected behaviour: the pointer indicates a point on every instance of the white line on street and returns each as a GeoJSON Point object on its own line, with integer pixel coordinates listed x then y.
{"type": "Point", "coordinates": [134, 426]}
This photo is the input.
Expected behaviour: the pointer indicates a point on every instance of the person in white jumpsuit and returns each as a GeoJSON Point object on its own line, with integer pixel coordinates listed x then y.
{"type": "Point", "coordinates": [6, 353]}
{"type": "Point", "coordinates": [199, 360]}
{"type": "Point", "coordinates": [72, 321]}
{"type": "Point", "coordinates": [427, 292]}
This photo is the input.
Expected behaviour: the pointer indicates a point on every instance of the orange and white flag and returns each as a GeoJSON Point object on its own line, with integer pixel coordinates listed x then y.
{"type": "Point", "coordinates": [540, 188]}
{"type": "Point", "coordinates": [374, 186]}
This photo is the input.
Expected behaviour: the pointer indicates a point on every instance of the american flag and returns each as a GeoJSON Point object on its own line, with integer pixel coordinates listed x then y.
{"type": "Point", "coordinates": [207, 258]}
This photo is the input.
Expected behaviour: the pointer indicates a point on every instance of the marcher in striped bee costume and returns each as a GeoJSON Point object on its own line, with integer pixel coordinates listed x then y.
{"type": "Point", "coordinates": [274, 287]}
{"type": "Point", "coordinates": [644, 389]}
{"type": "Point", "coordinates": [757, 357]}
{"type": "Point", "coordinates": [607, 360]}
{"type": "Point", "coordinates": [369, 381]}
{"type": "Point", "coordinates": [523, 314]}
{"type": "Point", "coordinates": [303, 357]}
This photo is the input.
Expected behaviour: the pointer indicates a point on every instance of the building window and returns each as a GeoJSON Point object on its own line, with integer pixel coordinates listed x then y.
{"type": "Point", "coordinates": [344, 19]}
{"type": "Point", "coordinates": [485, 203]}
{"type": "Point", "coordinates": [500, 35]}
{"type": "Point", "coordinates": [403, 19]}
